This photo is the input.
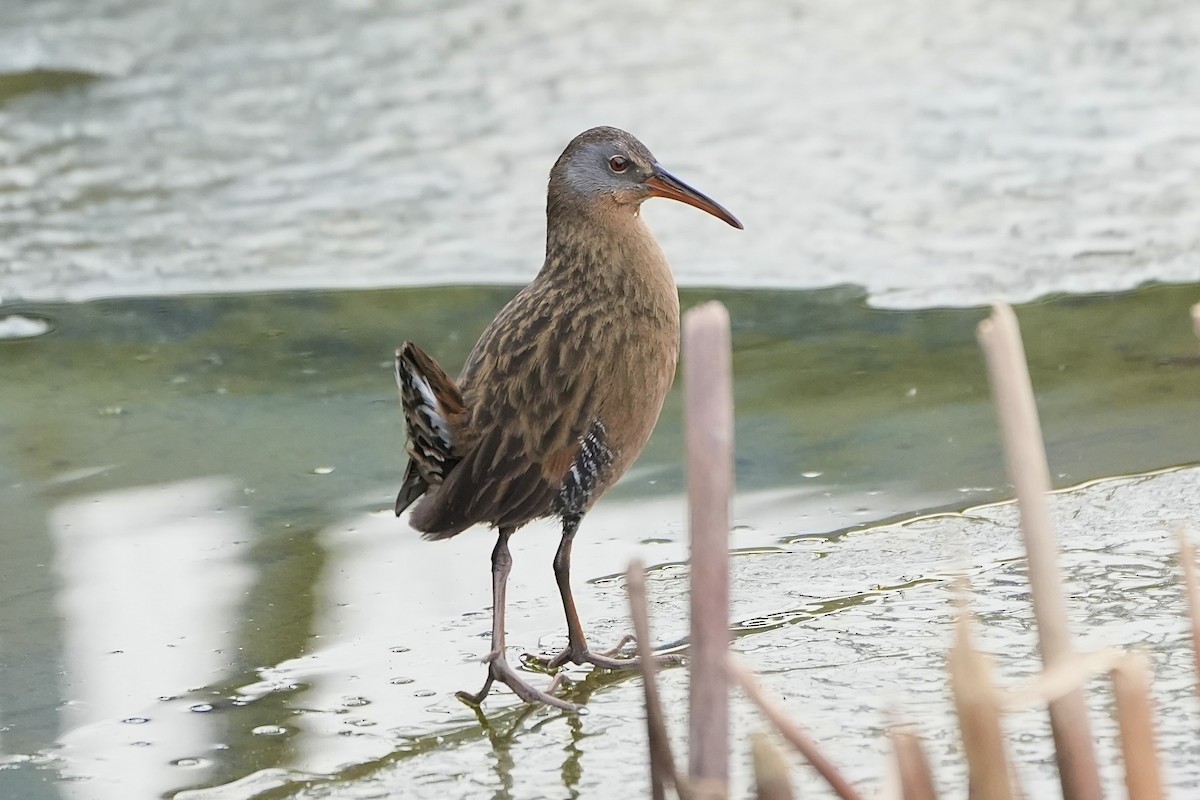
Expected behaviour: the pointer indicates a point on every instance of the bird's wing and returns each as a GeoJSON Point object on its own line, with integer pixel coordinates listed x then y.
{"type": "Point", "coordinates": [496, 483]}
{"type": "Point", "coordinates": [530, 426]}
{"type": "Point", "coordinates": [433, 410]}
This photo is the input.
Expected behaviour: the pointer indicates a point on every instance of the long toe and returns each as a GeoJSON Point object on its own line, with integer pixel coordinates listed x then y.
{"type": "Point", "coordinates": [603, 661]}
{"type": "Point", "coordinates": [628, 638]}
{"type": "Point", "coordinates": [551, 663]}
{"type": "Point", "coordinates": [500, 670]}
{"type": "Point", "coordinates": [476, 700]}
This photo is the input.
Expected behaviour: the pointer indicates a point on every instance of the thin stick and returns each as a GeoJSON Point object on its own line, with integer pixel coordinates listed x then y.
{"type": "Point", "coordinates": [1191, 588]}
{"type": "Point", "coordinates": [1025, 457]}
{"type": "Point", "coordinates": [662, 761]}
{"type": "Point", "coordinates": [795, 735]}
{"type": "Point", "coordinates": [916, 778]}
{"type": "Point", "coordinates": [708, 415]}
{"type": "Point", "coordinates": [978, 707]}
{"type": "Point", "coordinates": [1135, 716]}
{"type": "Point", "coordinates": [771, 779]}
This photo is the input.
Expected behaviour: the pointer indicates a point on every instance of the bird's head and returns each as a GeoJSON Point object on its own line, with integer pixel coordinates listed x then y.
{"type": "Point", "coordinates": [609, 168]}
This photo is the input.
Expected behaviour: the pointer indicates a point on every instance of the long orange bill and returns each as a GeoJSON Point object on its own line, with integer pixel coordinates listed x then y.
{"type": "Point", "coordinates": [664, 184]}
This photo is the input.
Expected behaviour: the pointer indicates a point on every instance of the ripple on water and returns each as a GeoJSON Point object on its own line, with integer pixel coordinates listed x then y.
{"type": "Point", "coordinates": [1055, 155]}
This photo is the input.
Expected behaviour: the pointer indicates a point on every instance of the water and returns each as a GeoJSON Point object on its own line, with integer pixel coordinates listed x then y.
{"type": "Point", "coordinates": [198, 493]}
{"type": "Point", "coordinates": [942, 152]}
{"type": "Point", "coordinates": [857, 628]}
{"type": "Point", "coordinates": [213, 218]}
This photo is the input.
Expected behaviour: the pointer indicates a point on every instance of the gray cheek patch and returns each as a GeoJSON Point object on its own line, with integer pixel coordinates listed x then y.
{"type": "Point", "coordinates": [588, 173]}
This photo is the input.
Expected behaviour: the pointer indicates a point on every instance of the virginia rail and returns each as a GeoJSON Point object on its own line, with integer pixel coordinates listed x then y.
{"type": "Point", "coordinates": [563, 388]}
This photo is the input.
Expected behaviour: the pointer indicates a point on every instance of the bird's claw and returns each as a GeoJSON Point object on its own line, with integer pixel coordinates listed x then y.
{"type": "Point", "coordinates": [604, 659]}
{"type": "Point", "coordinates": [500, 670]}
{"type": "Point", "coordinates": [628, 638]}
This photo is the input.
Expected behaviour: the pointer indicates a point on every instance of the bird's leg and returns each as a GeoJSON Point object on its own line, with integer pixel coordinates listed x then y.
{"type": "Point", "coordinates": [577, 651]}
{"type": "Point", "coordinates": [498, 666]}
{"type": "Point", "coordinates": [576, 640]}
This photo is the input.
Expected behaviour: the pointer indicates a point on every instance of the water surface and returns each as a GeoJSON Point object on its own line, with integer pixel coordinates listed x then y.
{"type": "Point", "coordinates": [935, 152]}
{"type": "Point", "coordinates": [204, 582]}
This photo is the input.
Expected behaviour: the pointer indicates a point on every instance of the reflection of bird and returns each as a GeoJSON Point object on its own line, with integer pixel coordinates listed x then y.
{"type": "Point", "coordinates": [563, 388]}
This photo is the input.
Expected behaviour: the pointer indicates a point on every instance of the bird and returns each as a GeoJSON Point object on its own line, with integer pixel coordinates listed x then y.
{"type": "Point", "coordinates": [562, 390]}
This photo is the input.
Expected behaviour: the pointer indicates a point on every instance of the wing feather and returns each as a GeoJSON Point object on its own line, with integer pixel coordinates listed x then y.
{"type": "Point", "coordinates": [530, 402]}
{"type": "Point", "coordinates": [433, 411]}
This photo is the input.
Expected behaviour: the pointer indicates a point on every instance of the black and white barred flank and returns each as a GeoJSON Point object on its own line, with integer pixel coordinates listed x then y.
{"type": "Point", "coordinates": [587, 472]}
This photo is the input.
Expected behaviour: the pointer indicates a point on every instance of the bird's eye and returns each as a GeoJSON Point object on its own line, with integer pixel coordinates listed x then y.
{"type": "Point", "coordinates": [618, 163]}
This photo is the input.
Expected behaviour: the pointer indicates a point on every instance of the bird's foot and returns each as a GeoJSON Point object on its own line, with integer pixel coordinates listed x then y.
{"type": "Point", "coordinates": [579, 653]}
{"type": "Point", "coordinates": [500, 670]}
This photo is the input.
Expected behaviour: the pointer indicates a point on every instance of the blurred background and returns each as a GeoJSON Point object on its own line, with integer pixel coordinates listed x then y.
{"type": "Point", "coordinates": [217, 220]}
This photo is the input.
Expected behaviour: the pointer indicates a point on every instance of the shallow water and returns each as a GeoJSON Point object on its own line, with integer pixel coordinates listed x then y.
{"type": "Point", "coordinates": [857, 629]}
{"type": "Point", "coordinates": [205, 583]}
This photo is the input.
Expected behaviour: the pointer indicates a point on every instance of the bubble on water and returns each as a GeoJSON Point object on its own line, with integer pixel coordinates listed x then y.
{"type": "Point", "coordinates": [190, 762]}
{"type": "Point", "coordinates": [812, 474]}
{"type": "Point", "coordinates": [201, 708]}
{"type": "Point", "coordinates": [322, 470]}
{"type": "Point", "coordinates": [400, 681]}
{"type": "Point", "coordinates": [355, 702]}
{"type": "Point", "coordinates": [136, 720]}
{"type": "Point", "coordinates": [269, 730]}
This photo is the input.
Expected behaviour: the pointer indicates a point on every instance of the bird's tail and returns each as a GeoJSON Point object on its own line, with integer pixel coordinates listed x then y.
{"type": "Point", "coordinates": [433, 409]}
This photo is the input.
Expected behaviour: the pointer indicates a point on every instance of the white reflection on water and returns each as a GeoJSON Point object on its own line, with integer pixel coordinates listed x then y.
{"type": "Point", "coordinates": [841, 630]}
{"type": "Point", "coordinates": [151, 582]}
{"type": "Point", "coordinates": [401, 623]}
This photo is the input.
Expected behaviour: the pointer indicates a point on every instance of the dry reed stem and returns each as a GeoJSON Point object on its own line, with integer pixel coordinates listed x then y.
{"type": "Point", "coordinates": [662, 760]}
{"type": "Point", "coordinates": [915, 776]}
{"type": "Point", "coordinates": [708, 417]}
{"type": "Point", "coordinates": [771, 778]}
{"type": "Point", "coordinates": [1068, 675]}
{"type": "Point", "coordinates": [708, 789]}
{"type": "Point", "coordinates": [1191, 589]}
{"type": "Point", "coordinates": [1025, 458]}
{"type": "Point", "coordinates": [978, 707]}
{"type": "Point", "coordinates": [793, 733]}
{"type": "Point", "coordinates": [1135, 716]}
